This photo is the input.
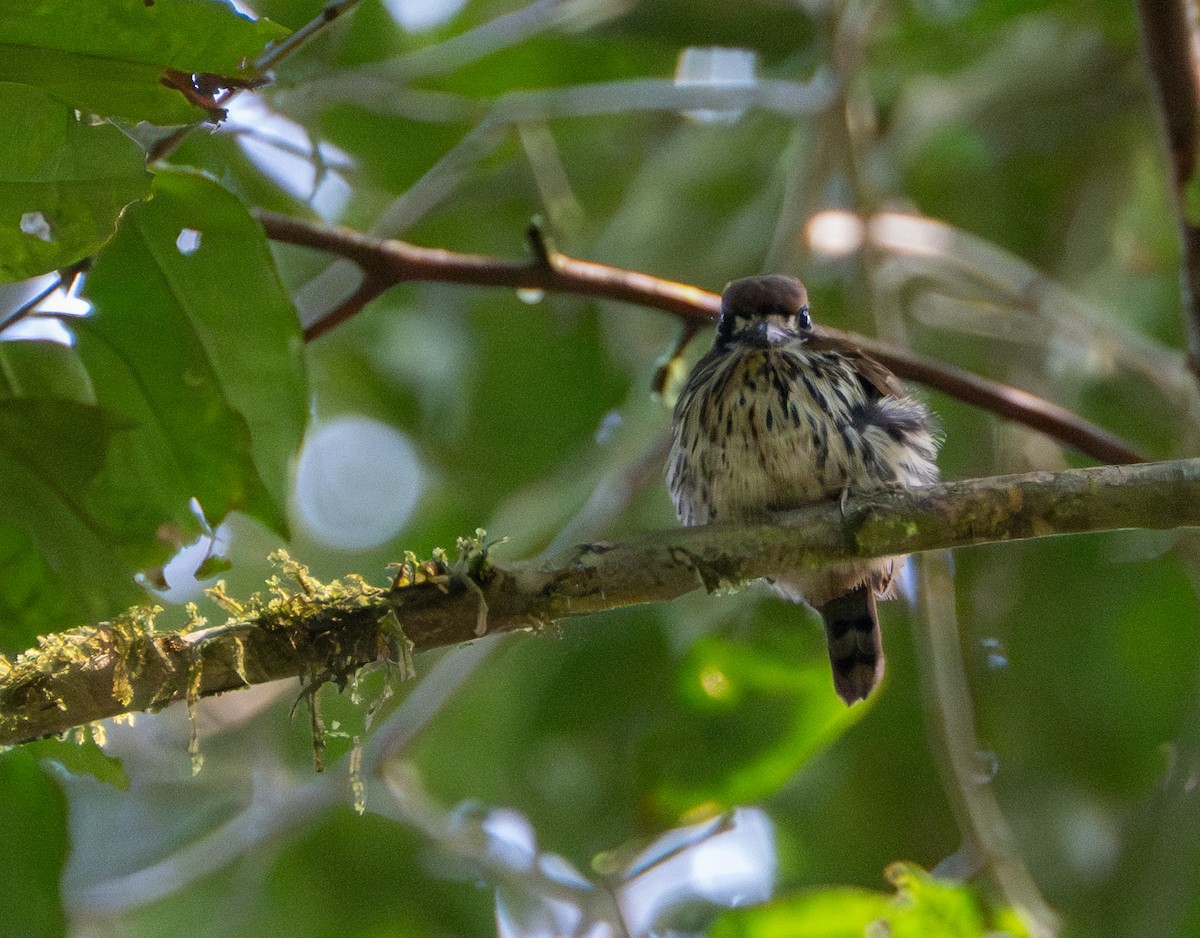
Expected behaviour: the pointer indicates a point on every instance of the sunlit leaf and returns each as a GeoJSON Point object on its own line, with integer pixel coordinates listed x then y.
{"type": "Point", "coordinates": [923, 906]}
{"type": "Point", "coordinates": [81, 756]}
{"type": "Point", "coordinates": [43, 369]}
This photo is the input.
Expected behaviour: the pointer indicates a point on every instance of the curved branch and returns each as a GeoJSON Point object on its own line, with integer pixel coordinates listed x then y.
{"type": "Point", "coordinates": [386, 263]}
{"type": "Point", "coordinates": [328, 631]}
{"type": "Point", "coordinates": [1168, 42]}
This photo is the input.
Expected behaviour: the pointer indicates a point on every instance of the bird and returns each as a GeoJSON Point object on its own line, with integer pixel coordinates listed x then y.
{"type": "Point", "coordinates": [774, 417]}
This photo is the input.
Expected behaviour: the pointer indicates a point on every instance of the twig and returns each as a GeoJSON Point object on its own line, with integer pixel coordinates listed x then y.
{"type": "Point", "coordinates": [392, 262]}
{"type": "Point", "coordinates": [29, 305]}
{"type": "Point", "coordinates": [65, 277]}
{"type": "Point", "coordinates": [269, 58]}
{"type": "Point", "coordinates": [370, 288]}
{"type": "Point", "coordinates": [273, 55]}
{"type": "Point", "coordinates": [1168, 40]}
{"type": "Point", "coordinates": [386, 263]}
{"type": "Point", "coordinates": [71, 679]}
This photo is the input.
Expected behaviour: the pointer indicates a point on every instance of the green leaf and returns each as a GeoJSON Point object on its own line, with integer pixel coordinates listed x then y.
{"type": "Point", "coordinates": [33, 600]}
{"type": "Point", "coordinates": [201, 349]}
{"type": "Point", "coordinates": [107, 87]}
{"type": "Point", "coordinates": [33, 848]}
{"type": "Point", "coordinates": [923, 906]}
{"type": "Point", "coordinates": [840, 912]}
{"type": "Point", "coordinates": [108, 58]}
{"type": "Point", "coordinates": [43, 369]}
{"type": "Point", "coordinates": [51, 456]}
{"type": "Point", "coordinates": [63, 183]}
{"type": "Point", "coordinates": [1191, 202]}
{"type": "Point", "coordinates": [81, 755]}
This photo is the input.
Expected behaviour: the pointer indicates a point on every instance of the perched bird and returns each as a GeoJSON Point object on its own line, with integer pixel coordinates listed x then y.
{"type": "Point", "coordinates": [773, 418]}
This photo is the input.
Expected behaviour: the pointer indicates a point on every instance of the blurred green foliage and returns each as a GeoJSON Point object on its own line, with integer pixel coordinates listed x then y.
{"type": "Point", "coordinates": [923, 907]}
{"type": "Point", "coordinates": [33, 843]}
{"type": "Point", "coordinates": [1026, 127]}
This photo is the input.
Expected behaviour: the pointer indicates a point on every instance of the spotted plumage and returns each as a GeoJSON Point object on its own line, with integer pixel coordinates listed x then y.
{"type": "Point", "coordinates": [774, 418]}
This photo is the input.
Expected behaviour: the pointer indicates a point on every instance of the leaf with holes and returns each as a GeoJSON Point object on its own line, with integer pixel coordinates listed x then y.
{"type": "Point", "coordinates": [195, 341]}
{"type": "Point", "coordinates": [63, 183]}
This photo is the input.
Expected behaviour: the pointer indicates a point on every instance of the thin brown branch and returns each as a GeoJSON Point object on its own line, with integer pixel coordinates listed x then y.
{"type": "Point", "coordinates": [386, 263]}
{"type": "Point", "coordinates": [1169, 42]}
{"type": "Point", "coordinates": [329, 631]}
{"type": "Point", "coordinates": [269, 58]}
{"type": "Point", "coordinates": [391, 262]}
{"type": "Point", "coordinates": [371, 288]}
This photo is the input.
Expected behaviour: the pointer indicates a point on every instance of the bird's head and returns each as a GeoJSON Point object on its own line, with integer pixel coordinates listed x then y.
{"type": "Point", "coordinates": [764, 310]}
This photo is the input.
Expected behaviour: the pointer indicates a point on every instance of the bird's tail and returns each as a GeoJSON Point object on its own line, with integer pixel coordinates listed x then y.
{"type": "Point", "coordinates": [855, 645]}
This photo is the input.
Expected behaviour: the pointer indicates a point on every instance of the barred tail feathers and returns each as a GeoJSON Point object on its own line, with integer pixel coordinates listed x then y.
{"type": "Point", "coordinates": [855, 645]}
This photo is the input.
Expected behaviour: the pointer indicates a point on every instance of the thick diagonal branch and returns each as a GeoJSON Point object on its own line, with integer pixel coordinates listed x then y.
{"type": "Point", "coordinates": [386, 263]}
{"type": "Point", "coordinates": [328, 631]}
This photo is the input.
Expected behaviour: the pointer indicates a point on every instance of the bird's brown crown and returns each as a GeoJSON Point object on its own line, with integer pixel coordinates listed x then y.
{"type": "Point", "coordinates": [758, 309]}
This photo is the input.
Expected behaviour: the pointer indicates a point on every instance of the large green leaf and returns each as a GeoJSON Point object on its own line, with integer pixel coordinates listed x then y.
{"type": "Point", "coordinates": [94, 85]}
{"type": "Point", "coordinates": [33, 848]}
{"type": "Point", "coordinates": [201, 350]}
{"type": "Point", "coordinates": [108, 58]}
{"type": "Point", "coordinates": [60, 554]}
{"type": "Point", "coordinates": [63, 182]}
{"type": "Point", "coordinates": [43, 369]}
{"type": "Point", "coordinates": [32, 602]}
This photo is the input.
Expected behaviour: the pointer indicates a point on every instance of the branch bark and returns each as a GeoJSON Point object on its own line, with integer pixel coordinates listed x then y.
{"type": "Point", "coordinates": [386, 263]}
{"type": "Point", "coordinates": [328, 631]}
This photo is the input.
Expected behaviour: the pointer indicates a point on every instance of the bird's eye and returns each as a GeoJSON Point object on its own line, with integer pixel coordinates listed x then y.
{"type": "Point", "coordinates": [803, 319]}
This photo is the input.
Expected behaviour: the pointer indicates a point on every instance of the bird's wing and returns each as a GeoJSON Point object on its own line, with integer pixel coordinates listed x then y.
{"type": "Point", "coordinates": [877, 380]}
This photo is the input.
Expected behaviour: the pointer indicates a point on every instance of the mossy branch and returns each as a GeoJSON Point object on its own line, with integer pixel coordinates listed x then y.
{"type": "Point", "coordinates": [326, 632]}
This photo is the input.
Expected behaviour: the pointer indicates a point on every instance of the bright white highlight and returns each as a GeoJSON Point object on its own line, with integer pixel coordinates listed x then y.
{"type": "Point", "coordinates": [835, 233]}
{"type": "Point", "coordinates": [416, 16]}
{"type": "Point", "coordinates": [188, 242]}
{"type": "Point", "coordinates": [716, 66]}
{"type": "Point", "coordinates": [34, 223]}
{"type": "Point", "coordinates": [285, 152]}
{"type": "Point", "coordinates": [357, 483]}
{"type": "Point", "coordinates": [729, 862]}
{"type": "Point", "coordinates": [912, 234]}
